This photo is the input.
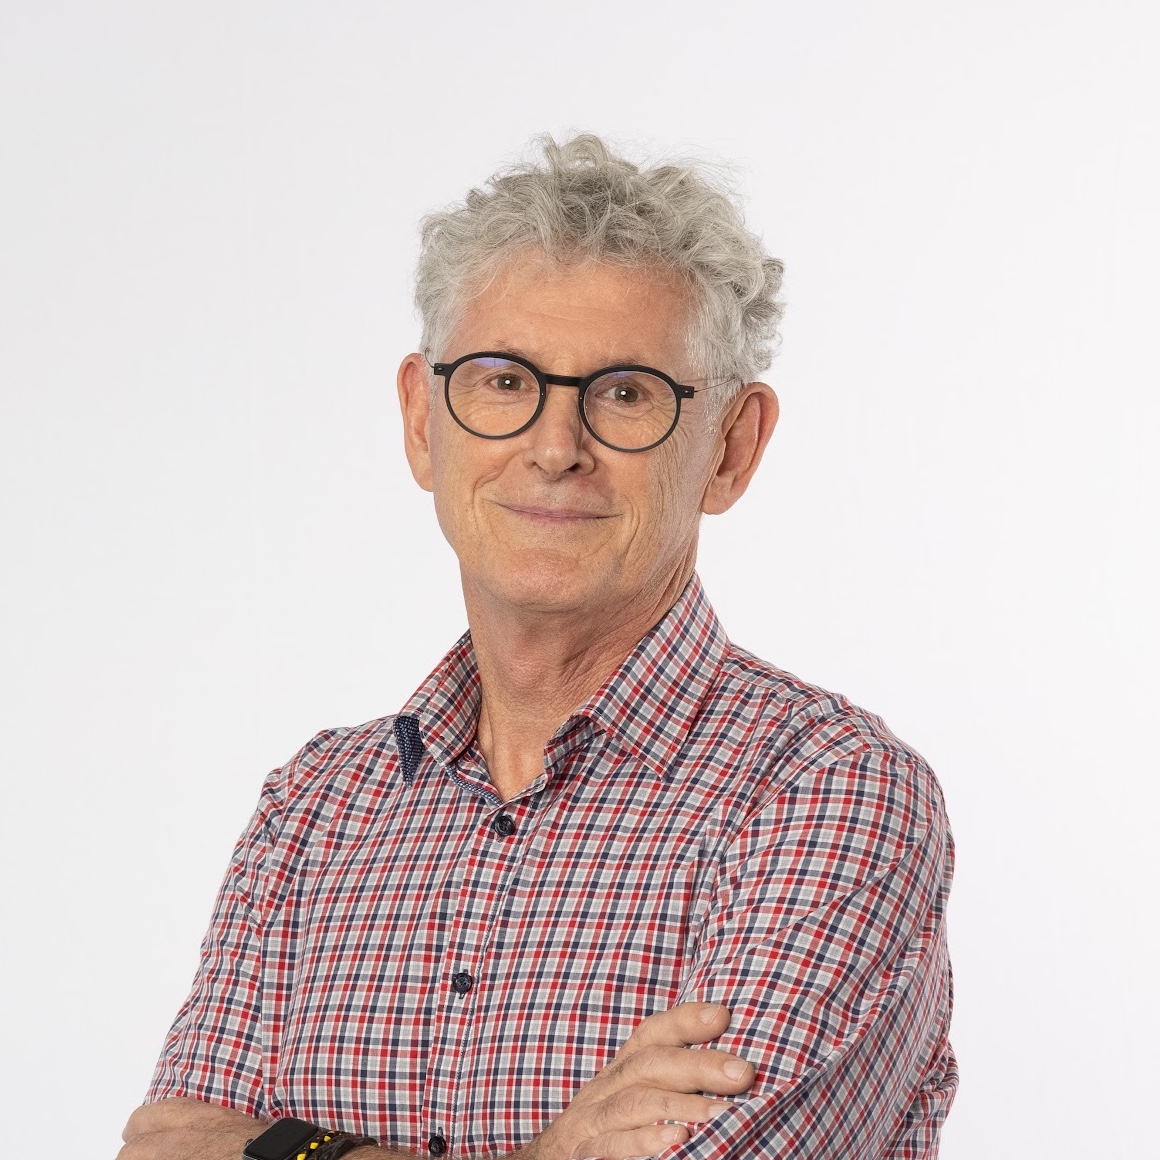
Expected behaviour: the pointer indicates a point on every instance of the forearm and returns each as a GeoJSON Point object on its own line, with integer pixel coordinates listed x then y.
{"type": "Point", "coordinates": [180, 1128]}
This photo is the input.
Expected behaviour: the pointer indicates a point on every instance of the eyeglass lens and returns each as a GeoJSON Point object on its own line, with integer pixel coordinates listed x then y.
{"type": "Point", "coordinates": [629, 410]}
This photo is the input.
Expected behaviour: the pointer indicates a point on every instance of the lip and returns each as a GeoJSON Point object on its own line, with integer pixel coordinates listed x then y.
{"type": "Point", "coordinates": [554, 514]}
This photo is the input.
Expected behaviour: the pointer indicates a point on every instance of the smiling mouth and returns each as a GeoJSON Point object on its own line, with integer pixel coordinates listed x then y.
{"type": "Point", "coordinates": [553, 514]}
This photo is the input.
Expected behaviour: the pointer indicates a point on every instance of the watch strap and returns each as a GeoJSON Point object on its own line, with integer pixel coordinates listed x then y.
{"type": "Point", "coordinates": [290, 1138]}
{"type": "Point", "coordinates": [337, 1144]}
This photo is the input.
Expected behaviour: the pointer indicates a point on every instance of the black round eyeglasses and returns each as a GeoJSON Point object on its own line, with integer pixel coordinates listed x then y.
{"type": "Point", "coordinates": [496, 395]}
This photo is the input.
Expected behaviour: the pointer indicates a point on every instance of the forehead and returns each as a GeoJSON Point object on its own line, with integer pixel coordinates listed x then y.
{"type": "Point", "coordinates": [583, 313]}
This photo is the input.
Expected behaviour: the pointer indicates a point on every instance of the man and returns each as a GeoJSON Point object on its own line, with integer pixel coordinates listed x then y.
{"type": "Point", "coordinates": [600, 837]}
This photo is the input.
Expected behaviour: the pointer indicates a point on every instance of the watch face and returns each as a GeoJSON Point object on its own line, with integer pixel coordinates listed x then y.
{"type": "Point", "coordinates": [282, 1140]}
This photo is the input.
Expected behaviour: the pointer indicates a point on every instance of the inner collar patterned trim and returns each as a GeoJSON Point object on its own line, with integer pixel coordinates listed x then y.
{"type": "Point", "coordinates": [647, 705]}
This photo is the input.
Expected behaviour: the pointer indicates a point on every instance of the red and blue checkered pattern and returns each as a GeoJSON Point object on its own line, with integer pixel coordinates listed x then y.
{"type": "Point", "coordinates": [387, 960]}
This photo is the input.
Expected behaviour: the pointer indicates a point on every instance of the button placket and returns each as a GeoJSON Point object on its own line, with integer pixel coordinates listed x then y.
{"type": "Point", "coordinates": [485, 867]}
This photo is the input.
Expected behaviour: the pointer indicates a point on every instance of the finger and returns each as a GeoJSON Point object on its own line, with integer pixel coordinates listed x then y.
{"type": "Point", "coordinates": [638, 1107]}
{"type": "Point", "coordinates": [648, 1141]}
{"type": "Point", "coordinates": [677, 1069]}
{"type": "Point", "coordinates": [680, 1026]}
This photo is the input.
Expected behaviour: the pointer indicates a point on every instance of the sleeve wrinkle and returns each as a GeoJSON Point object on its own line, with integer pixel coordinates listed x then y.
{"type": "Point", "coordinates": [836, 901]}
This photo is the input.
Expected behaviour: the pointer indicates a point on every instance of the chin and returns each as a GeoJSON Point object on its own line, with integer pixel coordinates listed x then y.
{"type": "Point", "coordinates": [543, 582]}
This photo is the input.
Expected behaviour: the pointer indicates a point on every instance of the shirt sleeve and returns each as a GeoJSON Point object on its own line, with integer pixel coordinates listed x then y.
{"type": "Point", "coordinates": [826, 940]}
{"type": "Point", "coordinates": [213, 1051]}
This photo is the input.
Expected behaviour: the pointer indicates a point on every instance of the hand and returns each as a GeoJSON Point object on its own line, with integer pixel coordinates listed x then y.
{"type": "Point", "coordinates": [179, 1128]}
{"type": "Point", "coordinates": [653, 1077]}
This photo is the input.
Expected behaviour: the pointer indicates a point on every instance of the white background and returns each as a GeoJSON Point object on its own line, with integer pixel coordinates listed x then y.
{"type": "Point", "coordinates": [212, 547]}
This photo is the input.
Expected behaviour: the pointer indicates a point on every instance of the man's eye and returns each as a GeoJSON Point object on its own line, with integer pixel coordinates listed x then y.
{"type": "Point", "coordinates": [509, 383]}
{"type": "Point", "coordinates": [621, 395]}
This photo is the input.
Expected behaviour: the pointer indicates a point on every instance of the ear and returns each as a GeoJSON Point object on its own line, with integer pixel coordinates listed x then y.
{"type": "Point", "coordinates": [415, 402]}
{"type": "Point", "coordinates": [746, 428]}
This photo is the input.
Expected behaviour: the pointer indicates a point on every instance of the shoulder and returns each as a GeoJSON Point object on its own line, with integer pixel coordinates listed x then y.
{"type": "Point", "coordinates": [826, 793]}
{"type": "Point", "coordinates": [336, 771]}
{"type": "Point", "coordinates": [812, 751]}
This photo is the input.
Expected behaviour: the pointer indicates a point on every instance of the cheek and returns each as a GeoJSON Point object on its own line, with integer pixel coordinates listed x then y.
{"type": "Point", "coordinates": [460, 465]}
{"type": "Point", "coordinates": [683, 473]}
{"type": "Point", "coordinates": [670, 496]}
{"type": "Point", "coordinates": [449, 481]}
{"type": "Point", "coordinates": [443, 436]}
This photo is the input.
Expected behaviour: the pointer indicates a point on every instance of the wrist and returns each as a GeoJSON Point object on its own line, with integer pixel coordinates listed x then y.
{"type": "Point", "coordinates": [290, 1138]}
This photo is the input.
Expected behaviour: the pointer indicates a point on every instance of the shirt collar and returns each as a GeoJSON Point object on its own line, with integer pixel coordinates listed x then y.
{"type": "Point", "coordinates": [446, 704]}
{"type": "Point", "coordinates": [652, 699]}
{"type": "Point", "coordinates": [647, 705]}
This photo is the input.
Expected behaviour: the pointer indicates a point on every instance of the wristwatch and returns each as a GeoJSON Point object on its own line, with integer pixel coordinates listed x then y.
{"type": "Point", "coordinates": [291, 1139]}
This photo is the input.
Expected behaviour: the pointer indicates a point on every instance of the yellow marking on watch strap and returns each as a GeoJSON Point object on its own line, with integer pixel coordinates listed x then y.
{"type": "Point", "coordinates": [313, 1144]}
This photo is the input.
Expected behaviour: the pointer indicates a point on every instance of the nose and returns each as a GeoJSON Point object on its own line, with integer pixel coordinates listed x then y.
{"type": "Point", "coordinates": [559, 440]}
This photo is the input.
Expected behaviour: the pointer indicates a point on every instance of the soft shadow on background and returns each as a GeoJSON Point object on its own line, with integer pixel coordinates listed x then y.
{"type": "Point", "coordinates": [212, 547]}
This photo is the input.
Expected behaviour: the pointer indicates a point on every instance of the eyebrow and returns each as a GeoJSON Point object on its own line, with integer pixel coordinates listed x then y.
{"type": "Point", "coordinates": [514, 348]}
{"type": "Point", "coordinates": [519, 352]}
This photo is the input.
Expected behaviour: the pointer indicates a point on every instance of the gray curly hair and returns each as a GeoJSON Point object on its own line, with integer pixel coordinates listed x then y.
{"type": "Point", "coordinates": [585, 202]}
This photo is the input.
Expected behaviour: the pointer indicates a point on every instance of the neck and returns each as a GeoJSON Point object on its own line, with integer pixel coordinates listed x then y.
{"type": "Point", "coordinates": [535, 668]}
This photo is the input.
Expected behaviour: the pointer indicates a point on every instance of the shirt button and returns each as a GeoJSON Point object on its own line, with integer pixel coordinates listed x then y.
{"type": "Point", "coordinates": [504, 825]}
{"type": "Point", "coordinates": [461, 983]}
{"type": "Point", "coordinates": [436, 1145]}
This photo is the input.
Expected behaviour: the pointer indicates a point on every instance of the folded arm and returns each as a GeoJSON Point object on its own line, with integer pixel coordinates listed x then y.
{"type": "Point", "coordinates": [619, 1113]}
{"type": "Point", "coordinates": [827, 941]}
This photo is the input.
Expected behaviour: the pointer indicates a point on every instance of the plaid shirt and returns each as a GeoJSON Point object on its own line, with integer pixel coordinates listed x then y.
{"type": "Point", "coordinates": [397, 952]}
